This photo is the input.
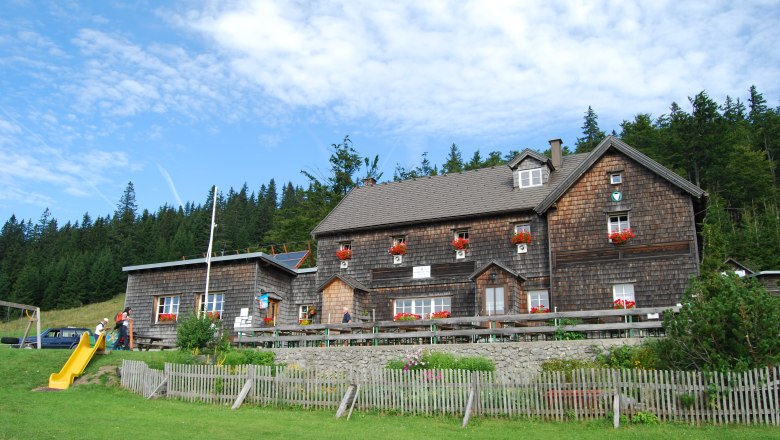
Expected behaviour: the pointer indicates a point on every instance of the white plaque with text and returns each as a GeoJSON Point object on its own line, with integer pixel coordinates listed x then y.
{"type": "Point", "coordinates": [421, 272]}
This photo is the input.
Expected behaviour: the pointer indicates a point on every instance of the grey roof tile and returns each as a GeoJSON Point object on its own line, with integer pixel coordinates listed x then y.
{"type": "Point", "coordinates": [456, 195]}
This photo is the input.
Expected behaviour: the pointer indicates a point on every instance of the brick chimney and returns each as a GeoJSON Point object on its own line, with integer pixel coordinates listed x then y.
{"type": "Point", "coordinates": [557, 153]}
{"type": "Point", "coordinates": [369, 181]}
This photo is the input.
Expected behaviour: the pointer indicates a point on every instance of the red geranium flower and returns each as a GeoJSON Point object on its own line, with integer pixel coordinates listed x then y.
{"type": "Point", "coordinates": [521, 237]}
{"type": "Point", "coordinates": [460, 244]}
{"type": "Point", "coordinates": [397, 249]}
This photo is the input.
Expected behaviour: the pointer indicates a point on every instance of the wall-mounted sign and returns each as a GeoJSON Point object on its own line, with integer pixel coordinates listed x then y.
{"type": "Point", "coordinates": [421, 272]}
{"type": "Point", "coordinates": [262, 301]}
{"type": "Point", "coordinates": [616, 196]}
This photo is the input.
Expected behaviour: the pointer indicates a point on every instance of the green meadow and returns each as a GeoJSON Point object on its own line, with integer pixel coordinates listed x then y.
{"type": "Point", "coordinates": [97, 408]}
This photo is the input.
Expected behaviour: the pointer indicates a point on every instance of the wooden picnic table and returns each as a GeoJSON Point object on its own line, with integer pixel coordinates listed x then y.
{"type": "Point", "coordinates": [146, 342]}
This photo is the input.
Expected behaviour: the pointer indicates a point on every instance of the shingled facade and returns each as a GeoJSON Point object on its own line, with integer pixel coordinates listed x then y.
{"type": "Point", "coordinates": [569, 204]}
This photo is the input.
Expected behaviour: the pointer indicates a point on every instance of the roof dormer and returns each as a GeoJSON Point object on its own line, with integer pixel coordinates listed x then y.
{"type": "Point", "coordinates": [530, 169]}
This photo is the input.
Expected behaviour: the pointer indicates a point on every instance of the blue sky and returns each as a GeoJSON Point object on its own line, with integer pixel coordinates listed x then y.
{"type": "Point", "coordinates": [178, 96]}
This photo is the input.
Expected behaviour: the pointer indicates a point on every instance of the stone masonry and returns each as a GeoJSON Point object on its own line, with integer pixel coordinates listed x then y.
{"type": "Point", "coordinates": [512, 356]}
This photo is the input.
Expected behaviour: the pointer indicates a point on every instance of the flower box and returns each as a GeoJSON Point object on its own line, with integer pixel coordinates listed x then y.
{"type": "Point", "coordinates": [268, 322]}
{"type": "Point", "coordinates": [406, 317]}
{"type": "Point", "coordinates": [619, 238]}
{"type": "Point", "coordinates": [166, 318]}
{"type": "Point", "coordinates": [397, 249]}
{"type": "Point", "coordinates": [440, 314]}
{"type": "Point", "coordinates": [623, 304]}
{"type": "Point", "coordinates": [344, 254]}
{"type": "Point", "coordinates": [540, 309]}
{"type": "Point", "coordinates": [304, 321]}
{"type": "Point", "coordinates": [522, 237]}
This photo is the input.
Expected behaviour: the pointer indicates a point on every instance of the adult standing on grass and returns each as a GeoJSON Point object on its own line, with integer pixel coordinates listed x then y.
{"type": "Point", "coordinates": [124, 334]}
{"type": "Point", "coordinates": [101, 328]}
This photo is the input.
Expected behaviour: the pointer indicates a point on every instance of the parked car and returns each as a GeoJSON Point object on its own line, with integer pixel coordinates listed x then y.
{"type": "Point", "coordinates": [55, 337]}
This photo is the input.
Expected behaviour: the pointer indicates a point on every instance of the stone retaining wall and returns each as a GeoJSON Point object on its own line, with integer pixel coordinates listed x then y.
{"type": "Point", "coordinates": [510, 356]}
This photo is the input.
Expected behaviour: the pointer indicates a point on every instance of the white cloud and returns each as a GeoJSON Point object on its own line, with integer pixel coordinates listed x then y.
{"type": "Point", "coordinates": [472, 67]}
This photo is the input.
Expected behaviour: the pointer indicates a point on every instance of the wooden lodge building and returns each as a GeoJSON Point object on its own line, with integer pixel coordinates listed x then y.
{"type": "Point", "coordinates": [564, 206]}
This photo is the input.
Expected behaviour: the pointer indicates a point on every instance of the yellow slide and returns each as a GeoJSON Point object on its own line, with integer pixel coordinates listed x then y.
{"type": "Point", "coordinates": [78, 361]}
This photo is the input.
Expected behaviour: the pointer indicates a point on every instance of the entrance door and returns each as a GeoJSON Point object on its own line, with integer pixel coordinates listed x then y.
{"type": "Point", "coordinates": [494, 301]}
{"type": "Point", "coordinates": [273, 308]}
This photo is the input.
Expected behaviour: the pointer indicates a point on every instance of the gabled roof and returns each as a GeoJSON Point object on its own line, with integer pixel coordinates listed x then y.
{"type": "Point", "coordinates": [605, 145]}
{"type": "Point", "coordinates": [486, 191]}
{"type": "Point", "coordinates": [498, 264]}
{"type": "Point", "coordinates": [530, 153]}
{"type": "Point", "coordinates": [349, 281]}
{"type": "Point", "coordinates": [737, 265]}
{"type": "Point", "coordinates": [476, 193]}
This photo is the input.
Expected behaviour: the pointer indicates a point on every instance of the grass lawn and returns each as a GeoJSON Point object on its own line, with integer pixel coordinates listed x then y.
{"type": "Point", "coordinates": [97, 411]}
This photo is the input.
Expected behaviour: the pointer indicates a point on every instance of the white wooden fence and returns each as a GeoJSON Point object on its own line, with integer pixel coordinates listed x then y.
{"type": "Point", "coordinates": [690, 397]}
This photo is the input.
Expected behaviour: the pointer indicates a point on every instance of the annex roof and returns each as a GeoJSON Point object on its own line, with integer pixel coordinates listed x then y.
{"type": "Point", "coordinates": [200, 261]}
{"type": "Point", "coordinates": [349, 281]}
{"type": "Point", "coordinates": [498, 264]}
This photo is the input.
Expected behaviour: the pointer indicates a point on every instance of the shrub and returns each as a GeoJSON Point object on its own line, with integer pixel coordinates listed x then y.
{"type": "Point", "coordinates": [563, 335]}
{"type": "Point", "coordinates": [644, 417]}
{"type": "Point", "coordinates": [250, 356]}
{"type": "Point", "coordinates": [725, 323]}
{"type": "Point", "coordinates": [194, 333]}
{"type": "Point", "coordinates": [567, 366]}
{"type": "Point", "coordinates": [643, 357]}
{"type": "Point", "coordinates": [437, 360]}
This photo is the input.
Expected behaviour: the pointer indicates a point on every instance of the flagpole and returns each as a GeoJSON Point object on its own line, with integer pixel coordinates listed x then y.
{"type": "Point", "coordinates": [211, 242]}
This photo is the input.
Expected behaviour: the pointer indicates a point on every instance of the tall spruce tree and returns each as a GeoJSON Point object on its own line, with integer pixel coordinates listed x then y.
{"type": "Point", "coordinates": [592, 135]}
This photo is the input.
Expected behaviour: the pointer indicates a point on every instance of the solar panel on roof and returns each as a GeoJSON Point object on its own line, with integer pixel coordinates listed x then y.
{"type": "Point", "coordinates": [292, 259]}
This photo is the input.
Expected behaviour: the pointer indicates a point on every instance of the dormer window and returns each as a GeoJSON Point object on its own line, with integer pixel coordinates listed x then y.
{"type": "Point", "coordinates": [616, 178]}
{"type": "Point", "coordinates": [529, 178]}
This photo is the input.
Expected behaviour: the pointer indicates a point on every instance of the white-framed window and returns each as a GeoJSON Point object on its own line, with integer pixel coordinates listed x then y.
{"type": "Point", "coordinates": [529, 178]}
{"type": "Point", "coordinates": [618, 222]}
{"type": "Point", "coordinates": [213, 303]}
{"type": "Point", "coordinates": [494, 301]}
{"type": "Point", "coordinates": [345, 246]}
{"type": "Point", "coordinates": [522, 227]}
{"type": "Point", "coordinates": [538, 298]}
{"type": "Point", "coordinates": [399, 239]}
{"type": "Point", "coordinates": [624, 292]}
{"type": "Point", "coordinates": [616, 178]}
{"type": "Point", "coordinates": [422, 306]}
{"type": "Point", "coordinates": [167, 306]}
{"type": "Point", "coordinates": [461, 233]}
{"type": "Point", "coordinates": [303, 311]}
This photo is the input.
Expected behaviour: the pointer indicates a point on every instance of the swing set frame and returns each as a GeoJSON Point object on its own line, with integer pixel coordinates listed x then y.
{"type": "Point", "coordinates": [36, 317]}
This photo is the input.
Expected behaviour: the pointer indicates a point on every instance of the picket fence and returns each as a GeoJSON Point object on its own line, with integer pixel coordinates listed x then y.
{"type": "Point", "coordinates": [747, 398]}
